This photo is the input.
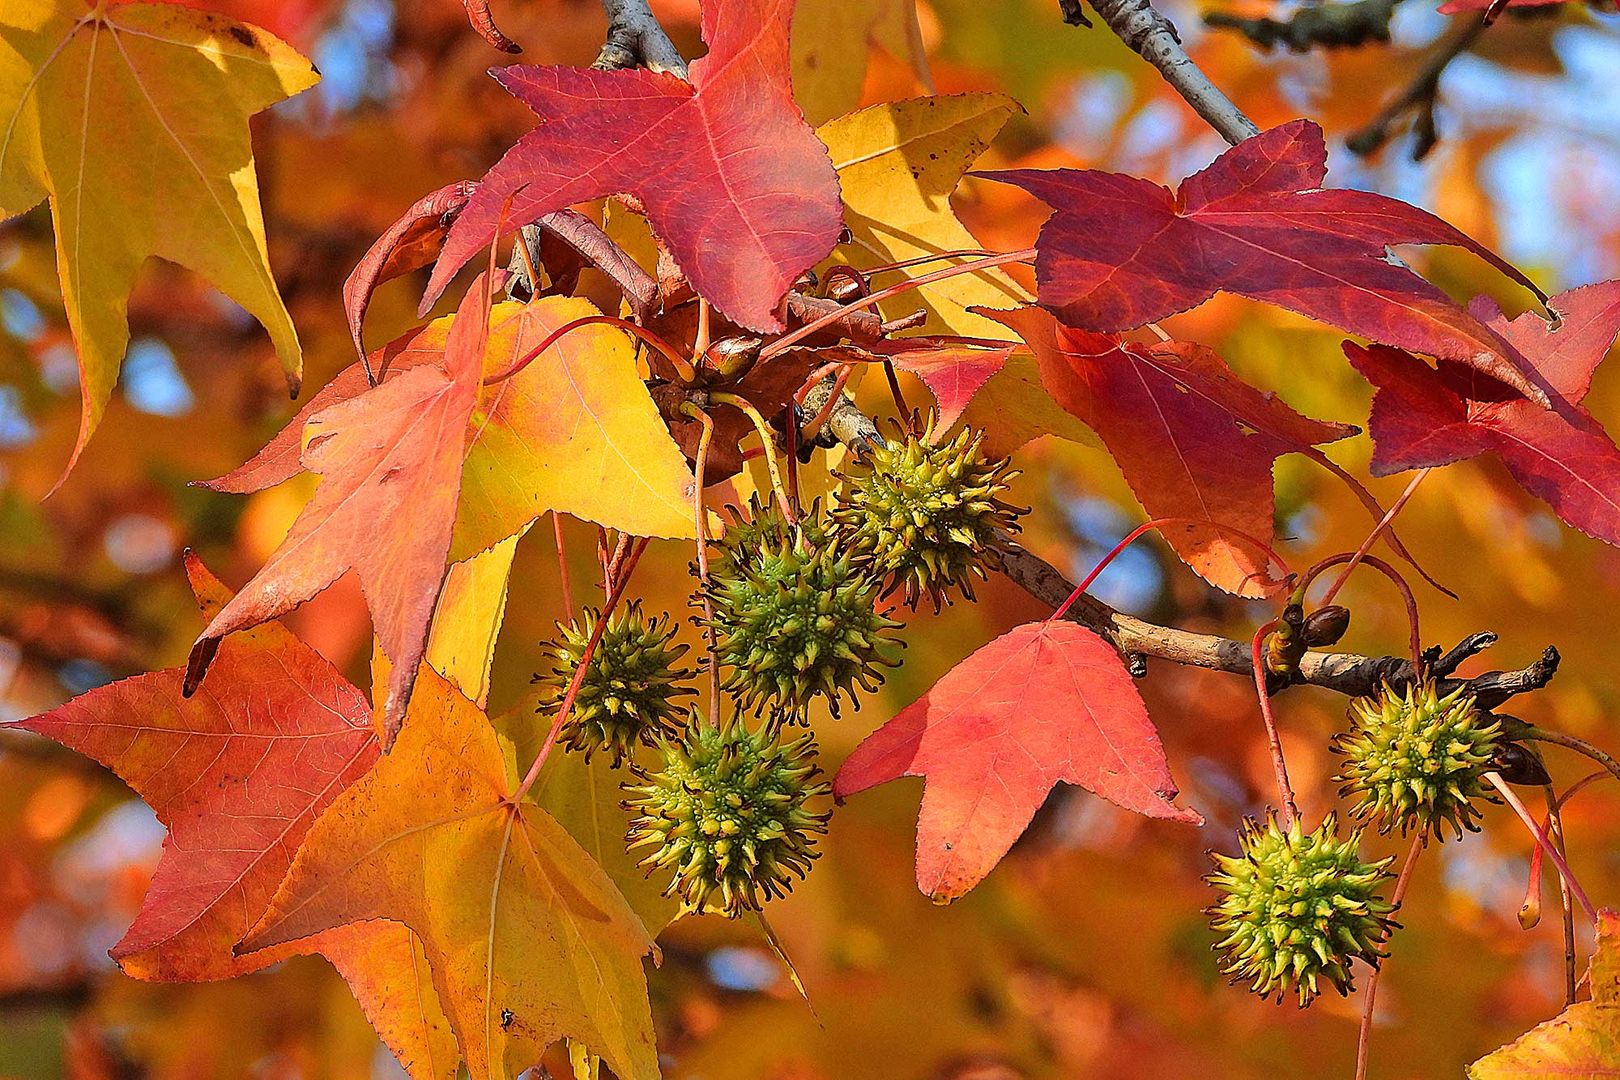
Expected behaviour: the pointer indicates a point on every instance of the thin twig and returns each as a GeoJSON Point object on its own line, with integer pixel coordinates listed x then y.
{"type": "Point", "coordinates": [1364, 1036]}
{"type": "Point", "coordinates": [562, 564]}
{"type": "Point", "coordinates": [1154, 38]}
{"type": "Point", "coordinates": [1419, 95]}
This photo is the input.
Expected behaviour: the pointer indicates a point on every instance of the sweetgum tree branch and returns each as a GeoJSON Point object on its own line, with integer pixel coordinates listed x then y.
{"type": "Point", "coordinates": [1154, 38]}
{"type": "Point", "coordinates": [1419, 97]}
{"type": "Point", "coordinates": [1326, 25]}
{"type": "Point", "coordinates": [1347, 673]}
{"type": "Point", "coordinates": [635, 38]}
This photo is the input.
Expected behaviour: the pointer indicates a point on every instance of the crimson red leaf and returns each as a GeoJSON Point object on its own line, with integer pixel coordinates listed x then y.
{"type": "Point", "coordinates": [409, 243]}
{"type": "Point", "coordinates": [1423, 416]}
{"type": "Point", "coordinates": [238, 773]}
{"type": "Point", "coordinates": [953, 369]}
{"type": "Point", "coordinates": [390, 461]}
{"type": "Point", "coordinates": [1193, 440]}
{"type": "Point", "coordinates": [1121, 252]}
{"type": "Point", "coordinates": [1047, 702]}
{"type": "Point", "coordinates": [733, 181]}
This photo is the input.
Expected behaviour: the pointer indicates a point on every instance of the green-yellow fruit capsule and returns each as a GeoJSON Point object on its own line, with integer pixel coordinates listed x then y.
{"type": "Point", "coordinates": [926, 518]}
{"type": "Point", "coordinates": [1297, 908]}
{"type": "Point", "coordinates": [794, 620]}
{"type": "Point", "coordinates": [1417, 760]}
{"type": "Point", "coordinates": [631, 686]}
{"type": "Point", "coordinates": [728, 814]}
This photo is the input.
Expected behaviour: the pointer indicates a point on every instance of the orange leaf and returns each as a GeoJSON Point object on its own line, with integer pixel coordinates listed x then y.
{"type": "Point", "coordinates": [1046, 702]}
{"type": "Point", "coordinates": [390, 461]}
{"type": "Point", "coordinates": [1581, 1041]}
{"type": "Point", "coordinates": [527, 938]}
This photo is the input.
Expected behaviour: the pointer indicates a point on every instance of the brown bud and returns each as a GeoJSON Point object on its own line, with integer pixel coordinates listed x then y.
{"type": "Point", "coordinates": [1326, 625]}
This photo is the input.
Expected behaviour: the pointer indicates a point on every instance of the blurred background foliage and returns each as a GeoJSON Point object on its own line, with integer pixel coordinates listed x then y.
{"type": "Point", "coordinates": [1085, 953]}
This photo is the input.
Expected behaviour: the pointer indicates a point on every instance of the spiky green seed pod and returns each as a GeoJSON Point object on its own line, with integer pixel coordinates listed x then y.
{"type": "Point", "coordinates": [747, 539]}
{"type": "Point", "coordinates": [727, 813]}
{"type": "Point", "coordinates": [1417, 760]}
{"type": "Point", "coordinates": [925, 517]}
{"type": "Point", "coordinates": [1297, 907]}
{"type": "Point", "coordinates": [630, 687]}
{"type": "Point", "coordinates": [794, 621]}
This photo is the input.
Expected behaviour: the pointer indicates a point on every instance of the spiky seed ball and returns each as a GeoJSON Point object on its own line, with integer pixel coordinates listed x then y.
{"type": "Point", "coordinates": [1297, 907]}
{"type": "Point", "coordinates": [925, 517]}
{"type": "Point", "coordinates": [630, 687]}
{"type": "Point", "coordinates": [796, 621]}
{"type": "Point", "coordinates": [1417, 759]}
{"type": "Point", "coordinates": [764, 529]}
{"type": "Point", "coordinates": [727, 813]}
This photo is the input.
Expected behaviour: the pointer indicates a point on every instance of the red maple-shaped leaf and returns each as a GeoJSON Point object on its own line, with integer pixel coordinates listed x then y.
{"type": "Point", "coordinates": [1047, 702]}
{"type": "Point", "coordinates": [1121, 251]}
{"type": "Point", "coordinates": [238, 773]}
{"type": "Point", "coordinates": [733, 180]}
{"type": "Point", "coordinates": [953, 369]}
{"type": "Point", "coordinates": [1424, 416]}
{"type": "Point", "coordinates": [1193, 440]}
{"type": "Point", "coordinates": [390, 465]}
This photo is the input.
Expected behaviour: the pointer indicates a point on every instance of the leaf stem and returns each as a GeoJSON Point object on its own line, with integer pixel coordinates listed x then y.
{"type": "Point", "coordinates": [1512, 799]}
{"type": "Point", "coordinates": [1372, 537]}
{"type": "Point", "coordinates": [878, 297]}
{"type": "Point", "coordinates": [700, 464]}
{"type": "Point", "coordinates": [1570, 742]}
{"type": "Point", "coordinates": [767, 439]}
{"type": "Point", "coordinates": [1285, 790]}
{"type": "Point", "coordinates": [1364, 1035]}
{"type": "Point", "coordinates": [1159, 523]}
{"type": "Point", "coordinates": [562, 564]}
{"type": "Point", "coordinates": [1415, 641]}
{"type": "Point", "coordinates": [682, 366]}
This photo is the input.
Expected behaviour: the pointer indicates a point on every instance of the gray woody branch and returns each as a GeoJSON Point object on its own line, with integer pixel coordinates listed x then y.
{"type": "Point", "coordinates": [1153, 37]}
{"type": "Point", "coordinates": [636, 39]}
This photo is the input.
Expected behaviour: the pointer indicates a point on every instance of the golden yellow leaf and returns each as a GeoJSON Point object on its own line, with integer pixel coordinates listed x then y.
{"type": "Point", "coordinates": [132, 120]}
{"type": "Point", "coordinates": [527, 938]}
{"type": "Point", "coordinates": [584, 797]}
{"type": "Point", "coordinates": [1583, 1041]}
{"type": "Point", "coordinates": [387, 971]}
{"type": "Point", "coordinates": [574, 431]}
{"type": "Point", "coordinates": [831, 43]}
{"type": "Point", "coordinates": [897, 165]}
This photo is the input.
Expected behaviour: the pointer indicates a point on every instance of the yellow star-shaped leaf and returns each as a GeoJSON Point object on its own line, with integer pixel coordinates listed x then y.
{"type": "Point", "coordinates": [132, 121]}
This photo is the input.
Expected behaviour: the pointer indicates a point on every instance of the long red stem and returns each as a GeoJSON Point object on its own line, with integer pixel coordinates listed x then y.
{"type": "Point", "coordinates": [1512, 799]}
{"type": "Point", "coordinates": [562, 564]}
{"type": "Point", "coordinates": [1415, 641]}
{"type": "Point", "coordinates": [676, 360]}
{"type": "Point", "coordinates": [1372, 537]}
{"type": "Point", "coordinates": [881, 295]}
{"type": "Point", "coordinates": [1158, 523]}
{"type": "Point", "coordinates": [1364, 1037]}
{"type": "Point", "coordinates": [1285, 790]}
